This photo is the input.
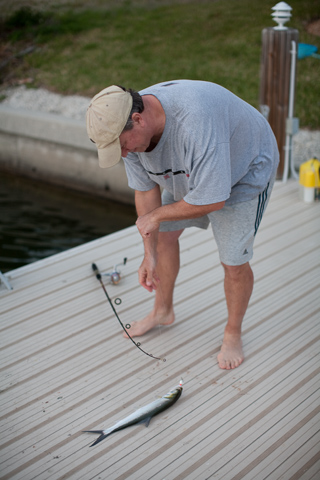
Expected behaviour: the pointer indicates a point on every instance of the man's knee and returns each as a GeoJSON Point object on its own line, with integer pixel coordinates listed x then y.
{"type": "Point", "coordinates": [168, 238]}
{"type": "Point", "coordinates": [237, 271]}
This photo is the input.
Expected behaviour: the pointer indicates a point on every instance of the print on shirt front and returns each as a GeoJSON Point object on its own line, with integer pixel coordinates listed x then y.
{"type": "Point", "coordinates": [163, 174]}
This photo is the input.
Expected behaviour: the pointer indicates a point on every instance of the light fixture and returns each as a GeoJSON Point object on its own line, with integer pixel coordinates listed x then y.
{"type": "Point", "coordinates": [281, 15]}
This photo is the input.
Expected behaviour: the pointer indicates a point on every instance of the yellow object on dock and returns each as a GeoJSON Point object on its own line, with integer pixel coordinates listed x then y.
{"type": "Point", "coordinates": [309, 180]}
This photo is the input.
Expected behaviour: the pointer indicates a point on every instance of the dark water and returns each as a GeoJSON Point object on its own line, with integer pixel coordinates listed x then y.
{"type": "Point", "coordinates": [37, 220]}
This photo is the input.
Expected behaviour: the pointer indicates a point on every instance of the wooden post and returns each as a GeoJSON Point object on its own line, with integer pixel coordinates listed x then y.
{"type": "Point", "coordinates": [275, 81]}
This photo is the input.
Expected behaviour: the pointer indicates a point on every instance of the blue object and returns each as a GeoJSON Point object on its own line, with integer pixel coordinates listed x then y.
{"type": "Point", "coordinates": [305, 50]}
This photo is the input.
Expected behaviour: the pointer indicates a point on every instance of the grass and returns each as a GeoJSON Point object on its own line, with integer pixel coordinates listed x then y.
{"type": "Point", "coordinates": [138, 44]}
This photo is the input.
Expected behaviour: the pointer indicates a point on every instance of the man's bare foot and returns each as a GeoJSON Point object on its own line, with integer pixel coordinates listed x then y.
{"type": "Point", "coordinates": [150, 321]}
{"type": "Point", "coordinates": [231, 354]}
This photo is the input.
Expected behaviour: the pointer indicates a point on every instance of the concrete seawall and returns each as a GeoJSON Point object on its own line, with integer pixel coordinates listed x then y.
{"type": "Point", "coordinates": [57, 150]}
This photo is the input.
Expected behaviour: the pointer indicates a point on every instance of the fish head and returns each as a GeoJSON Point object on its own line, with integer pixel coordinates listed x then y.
{"type": "Point", "coordinates": [175, 393]}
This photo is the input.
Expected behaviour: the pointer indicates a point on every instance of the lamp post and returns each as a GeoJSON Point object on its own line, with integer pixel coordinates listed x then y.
{"type": "Point", "coordinates": [277, 81]}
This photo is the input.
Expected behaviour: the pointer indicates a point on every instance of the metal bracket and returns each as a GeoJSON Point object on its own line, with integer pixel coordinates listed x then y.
{"type": "Point", "coordinates": [292, 125]}
{"type": "Point", "coordinates": [265, 110]}
{"type": "Point", "coordinates": [5, 281]}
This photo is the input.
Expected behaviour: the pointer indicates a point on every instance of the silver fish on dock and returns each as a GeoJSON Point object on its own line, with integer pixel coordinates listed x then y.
{"type": "Point", "coordinates": [143, 414]}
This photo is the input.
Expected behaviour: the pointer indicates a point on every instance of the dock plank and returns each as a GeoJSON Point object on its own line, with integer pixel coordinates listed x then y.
{"type": "Point", "coordinates": [65, 366]}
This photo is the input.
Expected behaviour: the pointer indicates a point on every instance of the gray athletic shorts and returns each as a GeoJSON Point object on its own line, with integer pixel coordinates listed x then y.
{"type": "Point", "coordinates": [234, 226]}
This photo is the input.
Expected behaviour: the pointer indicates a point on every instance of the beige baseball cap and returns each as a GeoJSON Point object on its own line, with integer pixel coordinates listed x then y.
{"type": "Point", "coordinates": [106, 117]}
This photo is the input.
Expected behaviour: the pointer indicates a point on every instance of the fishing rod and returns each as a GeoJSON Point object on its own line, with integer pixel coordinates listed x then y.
{"type": "Point", "coordinates": [137, 344]}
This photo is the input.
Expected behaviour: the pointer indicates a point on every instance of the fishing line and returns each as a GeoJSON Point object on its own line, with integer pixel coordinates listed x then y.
{"type": "Point", "coordinates": [159, 329]}
{"type": "Point", "coordinates": [137, 344]}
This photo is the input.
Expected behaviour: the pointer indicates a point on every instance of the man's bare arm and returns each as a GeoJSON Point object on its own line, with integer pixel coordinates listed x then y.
{"type": "Point", "coordinates": [181, 210]}
{"type": "Point", "coordinates": [147, 202]}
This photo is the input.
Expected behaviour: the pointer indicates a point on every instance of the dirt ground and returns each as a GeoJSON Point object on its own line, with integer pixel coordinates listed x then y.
{"type": "Point", "coordinates": [314, 28]}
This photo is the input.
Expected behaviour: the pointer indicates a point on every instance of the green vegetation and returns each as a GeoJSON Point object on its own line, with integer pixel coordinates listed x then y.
{"type": "Point", "coordinates": [83, 51]}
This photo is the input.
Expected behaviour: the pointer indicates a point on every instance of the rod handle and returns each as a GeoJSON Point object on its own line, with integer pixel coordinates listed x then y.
{"type": "Point", "coordinates": [96, 271]}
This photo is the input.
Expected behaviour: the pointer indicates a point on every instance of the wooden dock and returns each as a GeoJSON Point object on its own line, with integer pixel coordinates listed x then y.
{"type": "Point", "coordinates": [65, 366]}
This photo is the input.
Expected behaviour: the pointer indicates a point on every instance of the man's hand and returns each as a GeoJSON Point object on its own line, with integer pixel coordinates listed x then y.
{"type": "Point", "coordinates": [147, 274]}
{"type": "Point", "coordinates": [150, 215]}
{"type": "Point", "coordinates": [146, 225]}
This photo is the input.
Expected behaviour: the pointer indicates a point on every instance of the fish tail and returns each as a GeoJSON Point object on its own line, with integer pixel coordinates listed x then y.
{"type": "Point", "coordinates": [100, 432]}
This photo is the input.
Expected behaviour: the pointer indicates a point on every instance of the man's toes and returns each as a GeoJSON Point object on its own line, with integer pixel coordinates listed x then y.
{"type": "Point", "coordinates": [227, 364]}
{"type": "Point", "coordinates": [237, 362]}
{"type": "Point", "coordinates": [224, 364]}
{"type": "Point", "coordinates": [132, 324]}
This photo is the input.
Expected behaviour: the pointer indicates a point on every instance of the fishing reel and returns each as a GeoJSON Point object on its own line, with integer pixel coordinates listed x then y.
{"type": "Point", "coordinates": [115, 276]}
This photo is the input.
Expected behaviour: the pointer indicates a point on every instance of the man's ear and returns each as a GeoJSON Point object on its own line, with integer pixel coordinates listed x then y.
{"type": "Point", "coordinates": [137, 118]}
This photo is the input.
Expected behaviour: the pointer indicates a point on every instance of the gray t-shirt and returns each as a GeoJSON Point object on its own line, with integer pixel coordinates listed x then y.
{"type": "Point", "coordinates": [214, 146]}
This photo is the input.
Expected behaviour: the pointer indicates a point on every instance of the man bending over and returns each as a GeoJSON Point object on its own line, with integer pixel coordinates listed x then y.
{"type": "Point", "coordinates": [215, 157]}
